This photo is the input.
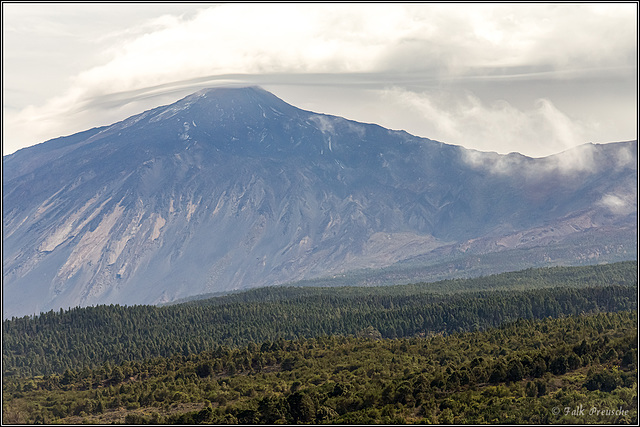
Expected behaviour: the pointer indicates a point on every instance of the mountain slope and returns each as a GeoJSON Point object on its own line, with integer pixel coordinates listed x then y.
{"type": "Point", "coordinates": [233, 188]}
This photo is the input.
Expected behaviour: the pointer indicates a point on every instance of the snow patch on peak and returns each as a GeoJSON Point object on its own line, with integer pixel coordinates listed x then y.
{"type": "Point", "coordinates": [185, 134]}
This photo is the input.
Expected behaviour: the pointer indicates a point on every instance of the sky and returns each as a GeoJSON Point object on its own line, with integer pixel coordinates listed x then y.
{"type": "Point", "coordinates": [534, 78]}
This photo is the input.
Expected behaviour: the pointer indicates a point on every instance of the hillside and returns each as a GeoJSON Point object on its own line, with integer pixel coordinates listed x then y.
{"type": "Point", "coordinates": [87, 337]}
{"type": "Point", "coordinates": [232, 188]}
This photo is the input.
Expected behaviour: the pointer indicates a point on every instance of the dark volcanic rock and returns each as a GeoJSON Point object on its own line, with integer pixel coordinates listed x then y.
{"type": "Point", "coordinates": [234, 188]}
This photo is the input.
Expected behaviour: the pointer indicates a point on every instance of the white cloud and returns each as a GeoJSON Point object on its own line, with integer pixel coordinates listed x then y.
{"type": "Point", "coordinates": [620, 204]}
{"type": "Point", "coordinates": [406, 43]}
{"type": "Point", "coordinates": [465, 120]}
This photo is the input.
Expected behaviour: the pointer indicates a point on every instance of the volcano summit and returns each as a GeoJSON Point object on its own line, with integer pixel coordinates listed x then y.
{"type": "Point", "coordinates": [232, 188]}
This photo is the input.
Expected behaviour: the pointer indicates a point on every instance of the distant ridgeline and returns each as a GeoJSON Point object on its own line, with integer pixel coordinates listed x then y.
{"type": "Point", "coordinates": [55, 342]}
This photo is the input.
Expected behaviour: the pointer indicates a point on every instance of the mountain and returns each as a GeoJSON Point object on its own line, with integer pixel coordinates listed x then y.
{"type": "Point", "coordinates": [232, 188]}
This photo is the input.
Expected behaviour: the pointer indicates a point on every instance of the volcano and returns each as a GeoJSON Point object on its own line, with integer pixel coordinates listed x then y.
{"type": "Point", "coordinates": [233, 188]}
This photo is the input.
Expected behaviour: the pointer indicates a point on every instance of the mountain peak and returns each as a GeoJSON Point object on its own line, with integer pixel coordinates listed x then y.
{"type": "Point", "coordinates": [236, 93]}
{"type": "Point", "coordinates": [231, 91]}
{"type": "Point", "coordinates": [233, 98]}
{"type": "Point", "coordinates": [222, 107]}
{"type": "Point", "coordinates": [232, 187]}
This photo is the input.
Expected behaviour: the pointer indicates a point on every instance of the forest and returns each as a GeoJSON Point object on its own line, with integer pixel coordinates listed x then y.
{"type": "Point", "coordinates": [551, 345]}
{"type": "Point", "coordinates": [527, 371]}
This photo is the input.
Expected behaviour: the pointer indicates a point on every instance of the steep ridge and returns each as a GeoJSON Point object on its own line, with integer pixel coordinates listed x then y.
{"type": "Point", "coordinates": [233, 188]}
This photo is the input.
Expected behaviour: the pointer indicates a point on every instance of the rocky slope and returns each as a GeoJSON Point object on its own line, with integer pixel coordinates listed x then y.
{"type": "Point", "coordinates": [232, 188]}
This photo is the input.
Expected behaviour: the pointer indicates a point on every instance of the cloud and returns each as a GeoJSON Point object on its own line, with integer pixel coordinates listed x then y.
{"type": "Point", "coordinates": [466, 120]}
{"type": "Point", "coordinates": [410, 45]}
{"type": "Point", "coordinates": [620, 204]}
{"type": "Point", "coordinates": [325, 124]}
